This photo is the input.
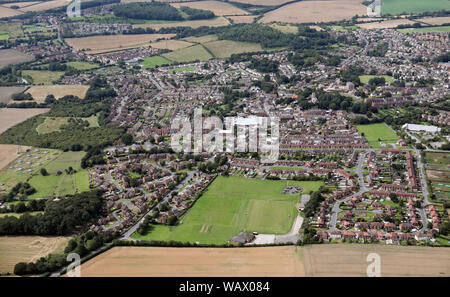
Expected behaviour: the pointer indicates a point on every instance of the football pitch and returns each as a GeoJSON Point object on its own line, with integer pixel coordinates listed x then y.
{"type": "Point", "coordinates": [234, 204]}
{"type": "Point", "coordinates": [377, 134]}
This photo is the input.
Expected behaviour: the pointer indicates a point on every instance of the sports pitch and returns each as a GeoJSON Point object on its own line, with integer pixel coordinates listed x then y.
{"type": "Point", "coordinates": [231, 205]}
{"type": "Point", "coordinates": [380, 131]}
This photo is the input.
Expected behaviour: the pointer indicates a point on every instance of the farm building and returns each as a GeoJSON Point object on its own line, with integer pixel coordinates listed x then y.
{"type": "Point", "coordinates": [243, 238]}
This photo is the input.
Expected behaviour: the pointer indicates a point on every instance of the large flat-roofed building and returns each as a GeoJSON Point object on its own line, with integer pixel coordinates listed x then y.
{"type": "Point", "coordinates": [421, 128]}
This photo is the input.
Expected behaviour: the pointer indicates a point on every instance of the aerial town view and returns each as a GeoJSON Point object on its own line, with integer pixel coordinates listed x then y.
{"type": "Point", "coordinates": [224, 138]}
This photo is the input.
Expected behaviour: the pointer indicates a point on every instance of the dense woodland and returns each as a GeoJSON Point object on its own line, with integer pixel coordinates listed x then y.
{"type": "Point", "coordinates": [60, 217]}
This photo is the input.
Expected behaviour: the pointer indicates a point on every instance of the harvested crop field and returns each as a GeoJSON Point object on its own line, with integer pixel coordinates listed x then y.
{"type": "Point", "coordinates": [242, 19]}
{"type": "Point", "coordinates": [189, 54]}
{"type": "Point", "coordinates": [386, 24]}
{"type": "Point", "coordinates": [10, 117]}
{"type": "Point", "coordinates": [42, 6]}
{"type": "Point", "coordinates": [225, 48]}
{"type": "Point", "coordinates": [170, 44]}
{"type": "Point", "coordinates": [10, 56]}
{"type": "Point", "coordinates": [350, 260]}
{"type": "Point", "coordinates": [15, 249]}
{"type": "Point", "coordinates": [263, 2]}
{"type": "Point", "coordinates": [6, 12]}
{"type": "Point", "coordinates": [40, 92]}
{"type": "Point", "coordinates": [196, 262]}
{"type": "Point", "coordinates": [216, 22]}
{"type": "Point", "coordinates": [7, 92]}
{"type": "Point", "coordinates": [10, 152]}
{"type": "Point", "coordinates": [316, 11]}
{"type": "Point", "coordinates": [107, 43]}
{"type": "Point", "coordinates": [219, 8]}
{"type": "Point", "coordinates": [435, 21]}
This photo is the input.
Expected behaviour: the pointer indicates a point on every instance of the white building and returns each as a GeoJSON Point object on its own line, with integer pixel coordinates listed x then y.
{"type": "Point", "coordinates": [421, 128]}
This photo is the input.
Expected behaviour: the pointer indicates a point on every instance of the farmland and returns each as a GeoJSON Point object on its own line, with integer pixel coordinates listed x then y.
{"type": "Point", "coordinates": [199, 262]}
{"type": "Point", "coordinates": [225, 48]}
{"type": "Point", "coordinates": [10, 117]}
{"type": "Point", "coordinates": [376, 134]}
{"type": "Point", "coordinates": [242, 19]}
{"type": "Point", "coordinates": [170, 44]}
{"type": "Point", "coordinates": [435, 21]}
{"type": "Point", "coordinates": [6, 12]}
{"type": "Point", "coordinates": [152, 62]}
{"type": "Point", "coordinates": [189, 54]}
{"type": "Point", "coordinates": [42, 77]}
{"type": "Point", "coordinates": [365, 78]}
{"type": "Point", "coordinates": [52, 124]}
{"type": "Point", "coordinates": [61, 184]}
{"type": "Point", "coordinates": [231, 205]}
{"type": "Point", "coordinates": [10, 56]}
{"type": "Point", "coordinates": [218, 8]}
{"type": "Point", "coordinates": [7, 92]}
{"type": "Point", "coordinates": [315, 11]}
{"type": "Point", "coordinates": [82, 65]}
{"type": "Point", "coordinates": [8, 153]}
{"type": "Point", "coordinates": [286, 261]}
{"type": "Point", "coordinates": [42, 6]}
{"type": "Point", "coordinates": [24, 166]}
{"type": "Point", "coordinates": [412, 6]}
{"type": "Point", "coordinates": [350, 260]}
{"type": "Point", "coordinates": [215, 22]}
{"type": "Point", "coordinates": [108, 43]}
{"type": "Point", "coordinates": [263, 2]}
{"type": "Point", "coordinates": [14, 249]}
{"type": "Point", "coordinates": [438, 172]}
{"type": "Point", "coordinates": [40, 92]}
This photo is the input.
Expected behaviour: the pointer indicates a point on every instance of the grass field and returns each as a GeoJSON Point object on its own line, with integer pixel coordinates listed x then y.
{"type": "Point", "coordinates": [365, 78]}
{"type": "Point", "coordinates": [380, 131]}
{"type": "Point", "coordinates": [315, 11]}
{"type": "Point", "coordinates": [52, 124]}
{"type": "Point", "coordinates": [8, 153]}
{"type": "Point", "coordinates": [386, 24]}
{"type": "Point", "coordinates": [242, 19]}
{"type": "Point", "coordinates": [39, 93]}
{"type": "Point", "coordinates": [152, 62]}
{"type": "Point", "coordinates": [58, 186]}
{"type": "Point", "coordinates": [170, 44]}
{"type": "Point", "coordinates": [42, 77]}
{"type": "Point", "coordinates": [11, 56]}
{"type": "Point", "coordinates": [225, 48]}
{"type": "Point", "coordinates": [351, 260]}
{"type": "Point", "coordinates": [425, 30]}
{"type": "Point", "coordinates": [82, 65]}
{"type": "Point", "coordinates": [24, 166]}
{"type": "Point", "coordinates": [288, 29]}
{"type": "Point", "coordinates": [15, 249]}
{"type": "Point", "coordinates": [7, 92]}
{"type": "Point", "coordinates": [42, 6]}
{"type": "Point", "coordinates": [231, 205]}
{"type": "Point", "coordinates": [288, 261]}
{"type": "Point", "coordinates": [189, 54]}
{"type": "Point", "coordinates": [412, 6]}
